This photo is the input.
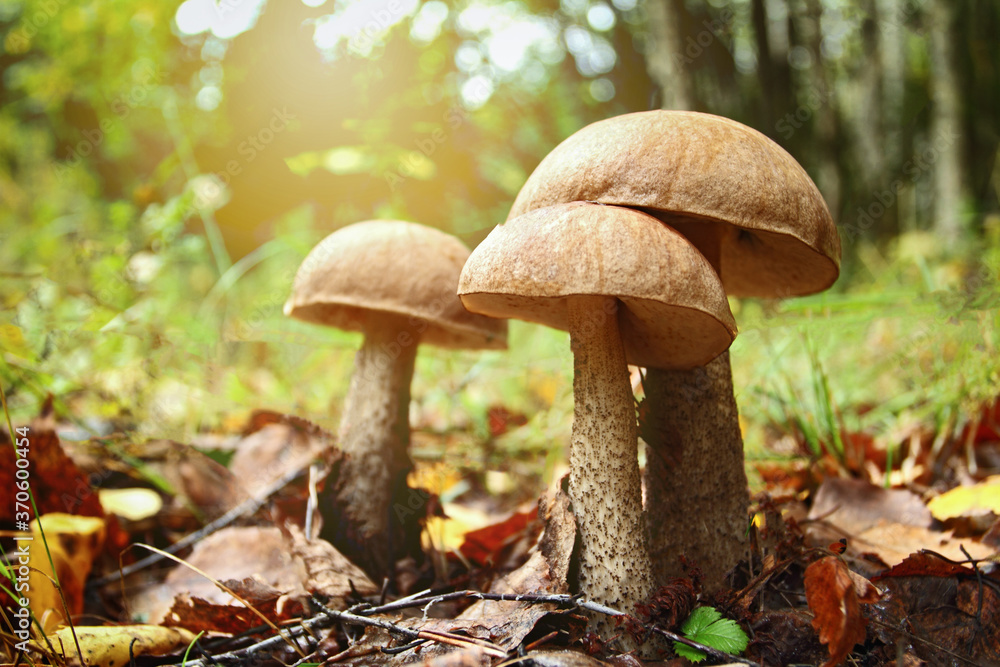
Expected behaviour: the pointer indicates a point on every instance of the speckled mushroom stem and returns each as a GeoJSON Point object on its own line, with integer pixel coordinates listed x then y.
{"type": "Point", "coordinates": [375, 432]}
{"type": "Point", "coordinates": [604, 468]}
{"type": "Point", "coordinates": [696, 486]}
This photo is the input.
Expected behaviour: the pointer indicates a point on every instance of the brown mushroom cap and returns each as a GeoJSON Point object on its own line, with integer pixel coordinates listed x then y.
{"type": "Point", "coordinates": [391, 266]}
{"type": "Point", "coordinates": [693, 169]}
{"type": "Point", "coordinates": [674, 312]}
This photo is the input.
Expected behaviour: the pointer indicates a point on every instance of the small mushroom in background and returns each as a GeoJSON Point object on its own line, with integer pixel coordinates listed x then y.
{"type": "Point", "coordinates": [629, 290]}
{"type": "Point", "coordinates": [395, 282]}
{"type": "Point", "coordinates": [758, 218]}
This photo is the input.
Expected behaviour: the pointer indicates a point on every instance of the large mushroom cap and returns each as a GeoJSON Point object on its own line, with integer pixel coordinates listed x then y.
{"type": "Point", "coordinates": [777, 235]}
{"type": "Point", "coordinates": [390, 266]}
{"type": "Point", "coordinates": [674, 310]}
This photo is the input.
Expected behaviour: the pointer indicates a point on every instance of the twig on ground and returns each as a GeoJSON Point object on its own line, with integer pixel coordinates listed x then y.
{"type": "Point", "coordinates": [245, 508]}
{"type": "Point", "coordinates": [361, 615]}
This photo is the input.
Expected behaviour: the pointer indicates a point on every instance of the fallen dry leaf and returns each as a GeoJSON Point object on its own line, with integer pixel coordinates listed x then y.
{"type": "Point", "coordinates": [564, 658]}
{"type": "Point", "coordinates": [197, 615]}
{"type": "Point", "coordinates": [57, 484]}
{"type": "Point", "coordinates": [830, 592]}
{"type": "Point", "coordinates": [73, 542]}
{"type": "Point", "coordinates": [329, 573]}
{"type": "Point", "coordinates": [133, 504]}
{"type": "Point", "coordinates": [943, 620]}
{"type": "Point", "coordinates": [855, 506]}
{"type": "Point", "coordinates": [484, 544]}
{"type": "Point", "coordinates": [893, 542]}
{"type": "Point", "coordinates": [274, 451]}
{"type": "Point", "coordinates": [981, 498]}
{"type": "Point", "coordinates": [925, 564]}
{"type": "Point", "coordinates": [259, 552]}
{"type": "Point", "coordinates": [109, 646]}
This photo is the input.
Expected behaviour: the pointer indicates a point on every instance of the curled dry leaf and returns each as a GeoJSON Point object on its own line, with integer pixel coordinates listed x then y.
{"type": "Point", "coordinates": [832, 596]}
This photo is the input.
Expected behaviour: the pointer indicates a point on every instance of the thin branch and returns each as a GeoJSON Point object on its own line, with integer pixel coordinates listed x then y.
{"type": "Point", "coordinates": [247, 508]}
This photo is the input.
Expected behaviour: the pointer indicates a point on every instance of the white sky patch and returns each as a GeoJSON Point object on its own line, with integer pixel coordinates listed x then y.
{"type": "Point", "coordinates": [428, 21]}
{"type": "Point", "coordinates": [362, 24]}
{"type": "Point", "coordinates": [601, 17]}
{"type": "Point", "coordinates": [509, 48]}
{"type": "Point", "coordinates": [475, 18]}
{"type": "Point", "coordinates": [468, 57]}
{"type": "Point", "coordinates": [476, 91]}
{"type": "Point", "coordinates": [224, 19]}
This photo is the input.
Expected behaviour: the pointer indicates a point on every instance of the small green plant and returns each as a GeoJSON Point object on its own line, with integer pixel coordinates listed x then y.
{"type": "Point", "coordinates": [706, 626]}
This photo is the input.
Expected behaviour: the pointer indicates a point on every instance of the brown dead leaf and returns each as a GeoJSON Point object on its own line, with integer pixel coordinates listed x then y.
{"type": "Point", "coordinates": [276, 450]}
{"type": "Point", "coordinates": [831, 596]}
{"type": "Point", "coordinates": [197, 481]}
{"type": "Point", "coordinates": [894, 542]}
{"type": "Point", "coordinates": [330, 574]}
{"type": "Point", "coordinates": [57, 484]}
{"type": "Point", "coordinates": [558, 538]}
{"type": "Point", "coordinates": [262, 553]}
{"type": "Point", "coordinates": [944, 620]}
{"type": "Point", "coordinates": [855, 506]}
{"type": "Point", "coordinates": [501, 420]}
{"type": "Point", "coordinates": [864, 589]}
{"type": "Point", "coordinates": [924, 564]}
{"type": "Point", "coordinates": [197, 615]}
{"type": "Point", "coordinates": [485, 544]}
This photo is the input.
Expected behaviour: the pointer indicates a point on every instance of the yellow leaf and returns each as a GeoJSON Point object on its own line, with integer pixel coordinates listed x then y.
{"type": "Point", "coordinates": [73, 543]}
{"type": "Point", "coordinates": [132, 504]}
{"type": "Point", "coordinates": [108, 646]}
{"type": "Point", "coordinates": [968, 500]}
{"type": "Point", "coordinates": [448, 534]}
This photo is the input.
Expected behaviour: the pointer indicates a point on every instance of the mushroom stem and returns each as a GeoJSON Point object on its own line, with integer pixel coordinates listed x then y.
{"type": "Point", "coordinates": [696, 486]}
{"type": "Point", "coordinates": [604, 468]}
{"type": "Point", "coordinates": [375, 434]}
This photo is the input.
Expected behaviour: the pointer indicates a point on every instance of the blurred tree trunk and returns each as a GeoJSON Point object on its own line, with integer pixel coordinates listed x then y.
{"type": "Point", "coordinates": [892, 61]}
{"type": "Point", "coordinates": [774, 73]}
{"type": "Point", "coordinates": [980, 65]}
{"type": "Point", "coordinates": [945, 143]}
{"type": "Point", "coordinates": [868, 103]}
{"type": "Point", "coordinates": [819, 99]}
{"type": "Point", "coordinates": [667, 62]}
